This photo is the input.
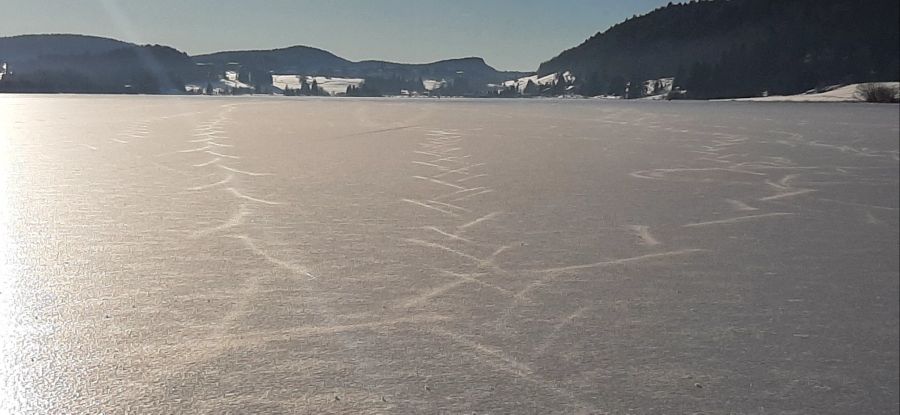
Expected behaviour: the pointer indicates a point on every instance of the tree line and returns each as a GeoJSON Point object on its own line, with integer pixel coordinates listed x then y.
{"type": "Point", "coordinates": [737, 48]}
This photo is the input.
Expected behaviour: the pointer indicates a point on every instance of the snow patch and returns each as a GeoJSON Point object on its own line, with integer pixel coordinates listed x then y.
{"type": "Point", "coordinates": [220, 86]}
{"type": "Point", "coordinates": [544, 81]}
{"type": "Point", "coordinates": [657, 88]}
{"type": "Point", "coordinates": [431, 84]}
{"type": "Point", "coordinates": [332, 86]}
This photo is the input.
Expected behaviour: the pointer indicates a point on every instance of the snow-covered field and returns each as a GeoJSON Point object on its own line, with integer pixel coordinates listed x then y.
{"type": "Point", "coordinates": [220, 86]}
{"type": "Point", "coordinates": [658, 88]}
{"type": "Point", "coordinates": [431, 84]}
{"type": "Point", "coordinates": [351, 256]}
{"type": "Point", "coordinates": [848, 93]}
{"type": "Point", "coordinates": [331, 85]}
{"type": "Point", "coordinates": [543, 81]}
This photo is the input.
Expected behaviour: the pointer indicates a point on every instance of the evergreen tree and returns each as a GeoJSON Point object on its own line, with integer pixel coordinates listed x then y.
{"type": "Point", "coordinates": [262, 82]}
{"type": "Point", "coordinates": [680, 78]}
{"type": "Point", "coordinates": [304, 87]}
{"type": "Point", "coordinates": [617, 86]}
{"type": "Point", "coordinates": [531, 89]}
{"type": "Point", "coordinates": [591, 85]}
{"type": "Point", "coordinates": [561, 85]}
{"type": "Point", "coordinates": [635, 88]}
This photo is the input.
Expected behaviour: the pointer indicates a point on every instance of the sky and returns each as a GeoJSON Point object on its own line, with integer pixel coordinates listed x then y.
{"type": "Point", "coordinates": [509, 34]}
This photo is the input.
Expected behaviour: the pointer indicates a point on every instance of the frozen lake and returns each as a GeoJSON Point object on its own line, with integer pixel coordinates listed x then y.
{"type": "Point", "coordinates": [268, 255]}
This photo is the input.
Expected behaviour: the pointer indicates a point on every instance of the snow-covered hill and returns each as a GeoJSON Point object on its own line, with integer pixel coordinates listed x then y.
{"type": "Point", "coordinates": [543, 82]}
{"type": "Point", "coordinates": [847, 93]}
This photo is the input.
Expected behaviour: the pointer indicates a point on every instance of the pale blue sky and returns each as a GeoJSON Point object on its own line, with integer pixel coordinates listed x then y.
{"type": "Point", "coordinates": [509, 34]}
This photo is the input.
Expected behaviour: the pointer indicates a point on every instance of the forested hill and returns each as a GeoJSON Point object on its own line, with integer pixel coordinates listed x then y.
{"type": "Point", "coordinates": [732, 48]}
{"type": "Point", "coordinates": [90, 64]}
{"type": "Point", "coordinates": [16, 50]}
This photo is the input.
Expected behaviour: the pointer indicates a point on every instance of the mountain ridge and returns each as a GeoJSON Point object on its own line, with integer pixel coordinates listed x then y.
{"type": "Point", "coordinates": [15, 49]}
{"type": "Point", "coordinates": [45, 54]}
{"type": "Point", "coordinates": [300, 59]}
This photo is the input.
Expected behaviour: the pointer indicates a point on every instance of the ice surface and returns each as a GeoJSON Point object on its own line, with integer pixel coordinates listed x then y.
{"type": "Point", "coordinates": [274, 255]}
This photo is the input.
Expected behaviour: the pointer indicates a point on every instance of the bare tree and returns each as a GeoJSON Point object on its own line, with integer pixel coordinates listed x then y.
{"type": "Point", "coordinates": [876, 92]}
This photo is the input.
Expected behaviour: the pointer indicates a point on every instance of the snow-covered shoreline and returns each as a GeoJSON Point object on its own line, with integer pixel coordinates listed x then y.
{"type": "Point", "coordinates": [847, 93]}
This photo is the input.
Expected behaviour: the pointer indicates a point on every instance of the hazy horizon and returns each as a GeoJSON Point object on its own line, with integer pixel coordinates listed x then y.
{"type": "Point", "coordinates": [509, 35]}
